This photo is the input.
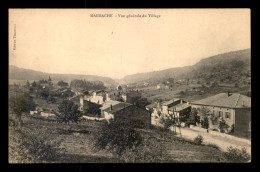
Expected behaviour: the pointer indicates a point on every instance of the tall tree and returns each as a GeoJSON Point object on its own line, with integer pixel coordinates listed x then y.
{"type": "Point", "coordinates": [68, 112]}
{"type": "Point", "coordinates": [19, 103]}
{"type": "Point", "coordinates": [62, 84]}
{"type": "Point", "coordinates": [205, 115]}
{"type": "Point", "coordinates": [116, 137]}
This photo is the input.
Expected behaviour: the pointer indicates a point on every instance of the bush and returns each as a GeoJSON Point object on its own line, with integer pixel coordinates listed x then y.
{"type": "Point", "coordinates": [116, 138]}
{"type": "Point", "coordinates": [193, 117]}
{"type": "Point", "coordinates": [150, 151]}
{"type": "Point", "coordinates": [223, 126]}
{"type": "Point", "coordinates": [237, 155]}
{"type": "Point", "coordinates": [137, 124]}
{"type": "Point", "coordinates": [33, 146]}
{"type": "Point", "coordinates": [182, 93]}
{"type": "Point", "coordinates": [167, 122]}
{"type": "Point", "coordinates": [198, 140]}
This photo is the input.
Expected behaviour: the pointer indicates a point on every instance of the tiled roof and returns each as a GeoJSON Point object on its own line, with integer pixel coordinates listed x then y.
{"type": "Point", "coordinates": [117, 107]}
{"type": "Point", "coordinates": [234, 100]}
{"type": "Point", "coordinates": [152, 105]}
{"type": "Point", "coordinates": [75, 97]}
{"type": "Point", "coordinates": [179, 107]}
{"type": "Point", "coordinates": [100, 92]}
{"type": "Point", "coordinates": [108, 103]}
{"type": "Point", "coordinates": [170, 101]}
{"type": "Point", "coordinates": [133, 94]}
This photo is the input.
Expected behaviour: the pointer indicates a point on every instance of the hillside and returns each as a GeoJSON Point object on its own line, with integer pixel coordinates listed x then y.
{"type": "Point", "coordinates": [230, 68]}
{"type": "Point", "coordinates": [17, 73]}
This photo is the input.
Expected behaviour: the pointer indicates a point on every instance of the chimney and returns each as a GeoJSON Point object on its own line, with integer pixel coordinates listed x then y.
{"type": "Point", "coordinates": [111, 107]}
{"type": "Point", "coordinates": [181, 101]}
{"type": "Point", "coordinates": [107, 96]}
{"type": "Point", "coordinates": [188, 102]}
{"type": "Point", "coordinates": [228, 94]}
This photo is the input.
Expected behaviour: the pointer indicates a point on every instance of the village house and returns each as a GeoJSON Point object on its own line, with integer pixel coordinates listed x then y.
{"type": "Point", "coordinates": [122, 111]}
{"type": "Point", "coordinates": [115, 95]}
{"type": "Point", "coordinates": [181, 111]}
{"type": "Point", "coordinates": [177, 107]}
{"type": "Point", "coordinates": [168, 104]}
{"type": "Point", "coordinates": [234, 108]}
{"type": "Point", "coordinates": [107, 104]}
{"type": "Point", "coordinates": [89, 108]}
{"type": "Point", "coordinates": [76, 99]}
{"type": "Point", "coordinates": [155, 108]}
{"type": "Point", "coordinates": [91, 103]}
{"type": "Point", "coordinates": [131, 96]}
{"type": "Point", "coordinates": [78, 92]}
{"type": "Point", "coordinates": [66, 92]}
{"type": "Point", "coordinates": [98, 97]}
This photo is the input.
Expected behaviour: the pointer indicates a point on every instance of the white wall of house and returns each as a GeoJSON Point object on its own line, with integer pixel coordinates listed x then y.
{"type": "Point", "coordinates": [108, 116]}
{"type": "Point", "coordinates": [97, 99]}
{"type": "Point", "coordinates": [165, 109]}
{"type": "Point", "coordinates": [124, 97]}
{"type": "Point", "coordinates": [231, 112]}
{"type": "Point", "coordinates": [154, 113]}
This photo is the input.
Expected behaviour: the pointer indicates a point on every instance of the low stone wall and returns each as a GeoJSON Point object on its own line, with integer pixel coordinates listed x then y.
{"type": "Point", "coordinates": [33, 112]}
{"type": "Point", "coordinates": [93, 118]}
{"type": "Point", "coordinates": [44, 114]}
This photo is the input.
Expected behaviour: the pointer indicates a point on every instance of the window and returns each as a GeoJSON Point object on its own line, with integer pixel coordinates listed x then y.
{"type": "Point", "coordinates": [220, 114]}
{"type": "Point", "coordinates": [227, 115]}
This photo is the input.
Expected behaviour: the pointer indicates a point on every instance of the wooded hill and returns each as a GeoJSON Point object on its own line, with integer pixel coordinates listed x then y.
{"type": "Point", "coordinates": [28, 74]}
{"type": "Point", "coordinates": [230, 68]}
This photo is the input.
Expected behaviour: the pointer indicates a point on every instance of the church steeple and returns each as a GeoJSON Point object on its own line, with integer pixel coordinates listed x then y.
{"type": "Point", "coordinates": [49, 79]}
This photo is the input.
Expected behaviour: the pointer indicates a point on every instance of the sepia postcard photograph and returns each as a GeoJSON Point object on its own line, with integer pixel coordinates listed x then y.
{"type": "Point", "coordinates": [129, 85]}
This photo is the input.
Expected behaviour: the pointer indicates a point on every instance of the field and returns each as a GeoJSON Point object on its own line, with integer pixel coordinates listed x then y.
{"type": "Point", "coordinates": [191, 92]}
{"type": "Point", "coordinates": [74, 144]}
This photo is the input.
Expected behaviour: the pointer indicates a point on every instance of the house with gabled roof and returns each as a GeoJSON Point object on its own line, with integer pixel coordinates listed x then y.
{"type": "Point", "coordinates": [122, 111]}
{"type": "Point", "coordinates": [181, 111]}
{"type": "Point", "coordinates": [234, 108]}
{"type": "Point", "coordinates": [131, 96]}
{"type": "Point", "coordinates": [98, 97]}
{"type": "Point", "coordinates": [168, 104]}
{"type": "Point", "coordinates": [155, 108]}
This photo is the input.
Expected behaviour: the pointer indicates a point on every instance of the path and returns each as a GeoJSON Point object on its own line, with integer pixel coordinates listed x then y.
{"type": "Point", "coordinates": [220, 141]}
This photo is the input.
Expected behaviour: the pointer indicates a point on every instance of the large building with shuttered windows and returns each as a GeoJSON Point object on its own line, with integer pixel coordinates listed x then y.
{"type": "Point", "coordinates": [233, 108]}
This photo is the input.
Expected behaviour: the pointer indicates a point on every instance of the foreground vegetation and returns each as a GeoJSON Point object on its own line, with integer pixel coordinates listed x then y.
{"type": "Point", "coordinates": [43, 140]}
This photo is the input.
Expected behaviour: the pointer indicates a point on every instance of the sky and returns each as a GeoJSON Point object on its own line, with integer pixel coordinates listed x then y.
{"type": "Point", "coordinates": [69, 41]}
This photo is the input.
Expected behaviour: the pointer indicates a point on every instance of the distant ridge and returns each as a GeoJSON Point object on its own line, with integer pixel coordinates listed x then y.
{"type": "Point", "coordinates": [232, 67]}
{"type": "Point", "coordinates": [214, 66]}
{"type": "Point", "coordinates": [28, 74]}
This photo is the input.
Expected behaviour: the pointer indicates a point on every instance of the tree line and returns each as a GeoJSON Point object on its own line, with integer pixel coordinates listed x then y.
{"type": "Point", "coordinates": [87, 85]}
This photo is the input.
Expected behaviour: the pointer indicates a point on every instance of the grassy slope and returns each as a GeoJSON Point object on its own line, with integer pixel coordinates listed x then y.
{"type": "Point", "coordinates": [76, 146]}
{"type": "Point", "coordinates": [151, 93]}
